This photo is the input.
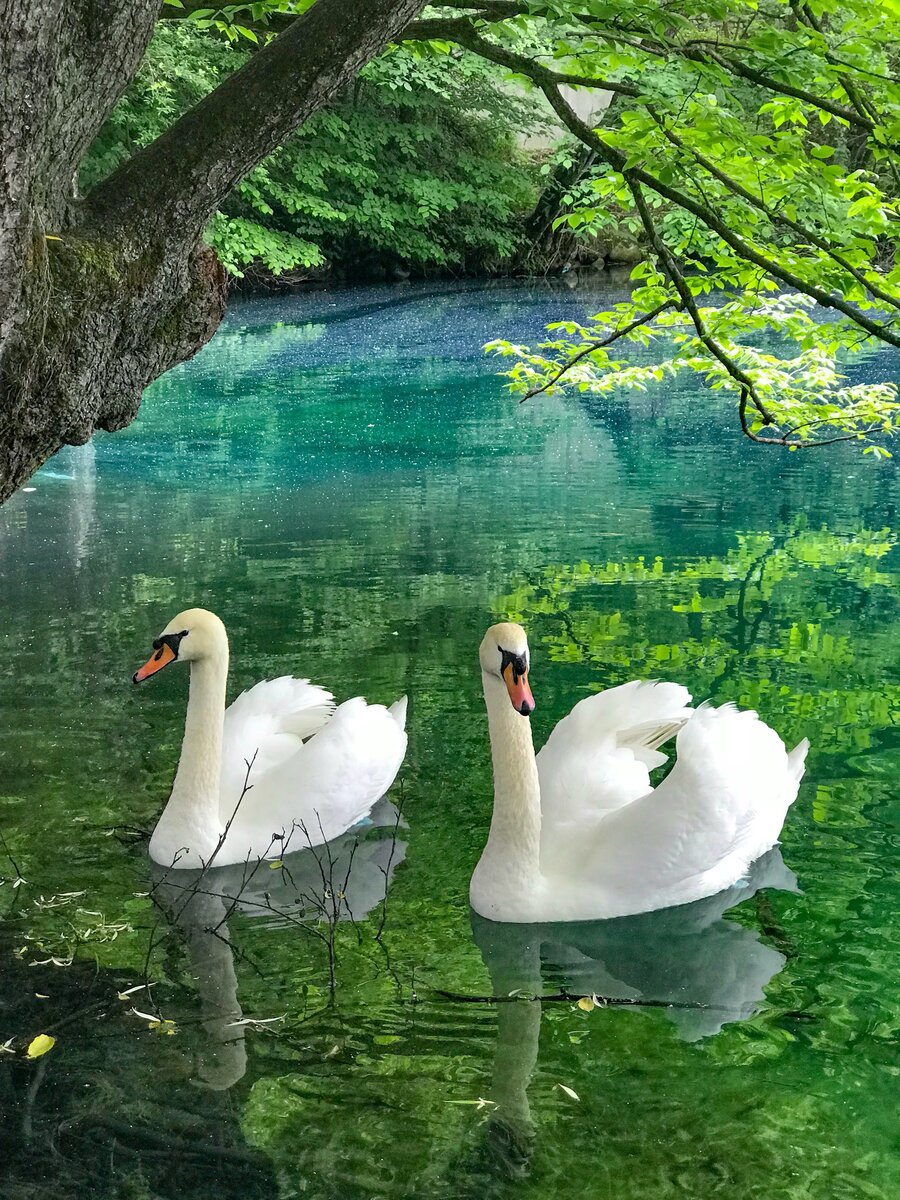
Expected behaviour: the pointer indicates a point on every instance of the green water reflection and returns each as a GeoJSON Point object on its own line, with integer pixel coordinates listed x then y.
{"type": "Point", "coordinates": [342, 479]}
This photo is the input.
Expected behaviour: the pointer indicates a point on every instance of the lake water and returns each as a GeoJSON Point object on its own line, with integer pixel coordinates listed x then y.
{"type": "Point", "coordinates": [342, 477]}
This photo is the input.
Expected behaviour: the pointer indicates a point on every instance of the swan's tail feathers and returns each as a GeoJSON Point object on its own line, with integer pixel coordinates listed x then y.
{"type": "Point", "coordinates": [306, 721]}
{"type": "Point", "coordinates": [644, 742]}
{"type": "Point", "coordinates": [734, 751]}
{"type": "Point", "coordinates": [652, 735]}
{"type": "Point", "coordinates": [398, 711]}
{"type": "Point", "coordinates": [797, 759]}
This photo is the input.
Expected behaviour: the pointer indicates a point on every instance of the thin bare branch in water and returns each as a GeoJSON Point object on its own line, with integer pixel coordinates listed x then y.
{"type": "Point", "coordinates": [386, 871]}
{"type": "Point", "coordinates": [4, 846]}
{"type": "Point", "coordinates": [344, 898]}
{"type": "Point", "coordinates": [319, 916]}
{"type": "Point", "coordinates": [574, 997]}
{"type": "Point", "coordinates": [248, 786]}
{"type": "Point", "coordinates": [153, 942]}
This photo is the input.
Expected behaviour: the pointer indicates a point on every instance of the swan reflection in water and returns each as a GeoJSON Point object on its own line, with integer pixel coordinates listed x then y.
{"type": "Point", "coordinates": [344, 880]}
{"type": "Point", "coordinates": [703, 972]}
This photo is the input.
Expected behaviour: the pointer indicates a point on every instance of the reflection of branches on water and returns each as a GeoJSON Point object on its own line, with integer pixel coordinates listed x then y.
{"type": "Point", "coordinates": [741, 621]}
{"type": "Point", "coordinates": [567, 997]}
{"type": "Point", "coordinates": [4, 846]}
{"type": "Point", "coordinates": [18, 878]}
{"type": "Point", "coordinates": [183, 898]}
{"type": "Point", "coordinates": [195, 890]}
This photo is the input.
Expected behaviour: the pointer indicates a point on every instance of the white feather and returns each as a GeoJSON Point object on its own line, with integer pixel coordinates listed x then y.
{"type": "Point", "coordinates": [599, 757]}
{"type": "Point", "coordinates": [327, 784]}
{"type": "Point", "coordinates": [269, 721]}
{"type": "Point", "coordinates": [721, 807]}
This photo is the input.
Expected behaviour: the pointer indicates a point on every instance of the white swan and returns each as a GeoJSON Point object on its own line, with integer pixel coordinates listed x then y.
{"type": "Point", "coordinates": [316, 769]}
{"type": "Point", "coordinates": [578, 833]}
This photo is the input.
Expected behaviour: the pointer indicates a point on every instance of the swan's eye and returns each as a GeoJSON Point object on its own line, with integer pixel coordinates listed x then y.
{"type": "Point", "coordinates": [518, 662]}
{"type": "Point", "coordinates": [172, 640]}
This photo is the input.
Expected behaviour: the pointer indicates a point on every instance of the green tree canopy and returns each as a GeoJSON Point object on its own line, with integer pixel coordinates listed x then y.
{"type": "Point", "coordinates": [756, 151]}
{"type": "Point", "coordinates": [753, 147]}
{"type": "Point", "coordinates": [416, 162]}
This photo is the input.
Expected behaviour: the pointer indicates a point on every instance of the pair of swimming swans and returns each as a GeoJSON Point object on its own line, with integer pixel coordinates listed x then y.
{"type": "Point", "coordinates": [578, 833]}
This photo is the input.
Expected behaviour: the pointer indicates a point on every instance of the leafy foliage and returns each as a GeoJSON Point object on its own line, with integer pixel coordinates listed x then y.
{"type": "Point", "coordinates": [716, 152]}
{"type": "Point", "coordinates": [419, 164]}
{"type": "Point", "coordinates": [799, 393]}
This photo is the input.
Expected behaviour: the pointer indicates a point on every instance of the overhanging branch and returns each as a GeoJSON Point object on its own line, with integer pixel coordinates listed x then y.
{"type": "Point", "coordinates": [744, 249]}
{"type": "Point", "coordinates": [599, 344]}
{"type": "Point", "coordinates": [714, 347]}
{"type": "Point", "coordinates": [776, 216]}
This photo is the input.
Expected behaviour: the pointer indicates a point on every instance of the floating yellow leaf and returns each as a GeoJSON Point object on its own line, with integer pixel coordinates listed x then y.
{"type": "Point", "coordinates": [40, 1045]}
{"type": "Point", "coordinates": [163, 1026]}
{"type": "Point", "coordinates": [586, 1004]}
{"type": "Point", "coordinates": [569, 1091]}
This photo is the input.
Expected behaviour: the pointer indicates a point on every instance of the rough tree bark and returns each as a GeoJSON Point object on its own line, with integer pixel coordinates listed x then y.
{"type": "Point", "coordinates": [102, 294]}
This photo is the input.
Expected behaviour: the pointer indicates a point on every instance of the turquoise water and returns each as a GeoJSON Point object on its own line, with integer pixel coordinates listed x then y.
{"type": "Point", "coordinates": [341, 476]}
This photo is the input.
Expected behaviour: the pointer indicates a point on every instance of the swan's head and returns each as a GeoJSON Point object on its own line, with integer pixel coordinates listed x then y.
{"type": "Point", "coordinates": [504, 654]}
{"type": "Point", "coordinates": [192, 635]}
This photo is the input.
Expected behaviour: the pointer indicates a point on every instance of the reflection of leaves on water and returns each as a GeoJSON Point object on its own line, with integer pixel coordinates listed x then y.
{"type": "Point", "coordinates": [772, 624]}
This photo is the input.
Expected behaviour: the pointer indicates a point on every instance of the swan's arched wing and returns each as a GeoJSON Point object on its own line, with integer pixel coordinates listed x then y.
{"type": "Point", "coordinates": [721, 807]}
{"type": "Point", "coordinates": [329, 783]}
{"type": "Point", "coordinates": [599, 757]}
{"type": "Point", "coordinates": [270, 721]}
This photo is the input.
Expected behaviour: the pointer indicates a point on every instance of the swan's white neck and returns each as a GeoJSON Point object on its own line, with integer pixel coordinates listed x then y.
{"type": "Point", "coordinates": [510, 863]}
{"type": "Point", "coordinates": [197, 779]}
{"type": "Point", "coordinates": [191, 820]}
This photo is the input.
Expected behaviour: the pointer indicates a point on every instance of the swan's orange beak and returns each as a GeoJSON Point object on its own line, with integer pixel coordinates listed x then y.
{"type": "Point", "coordinates": [163, 656]}
{"type": "Point", "coordinates": [519, 691]}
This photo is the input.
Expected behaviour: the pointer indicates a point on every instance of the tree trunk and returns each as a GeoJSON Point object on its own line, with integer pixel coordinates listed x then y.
{"type": "Point", "coordinates": [98, 297]}
{"type": "Point", "coordinates": [544, 247]}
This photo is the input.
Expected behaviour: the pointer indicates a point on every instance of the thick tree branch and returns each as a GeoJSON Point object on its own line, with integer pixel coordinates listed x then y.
{"type": "Point", "coordinates": [178, 181]}
{"type": "Point", "coordinates": [752, 75]}
{"type": "Point", "coordinates": [462, 32]}
{"type": "Point", "coordinates": [860, 102]}
{"type": "Point", "coordinates": [99, 49]}
{"type": "Point", "coordinates": [703, 51]}
{"type": "Point", "coordinates": [747, 390]}
{"type": "Point", "coordinates": [716, 349]}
